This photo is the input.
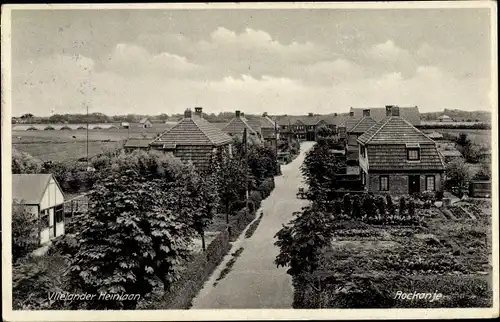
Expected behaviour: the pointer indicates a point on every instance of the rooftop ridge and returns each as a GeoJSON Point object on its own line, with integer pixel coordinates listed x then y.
{"type": "Point", "coordinates": [428, 138]}
{"type": "Point", "coordinates": [378, 130]}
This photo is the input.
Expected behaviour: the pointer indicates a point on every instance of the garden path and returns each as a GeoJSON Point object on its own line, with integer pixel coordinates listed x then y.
{"type": "Point", "coordinates": [254, 280]}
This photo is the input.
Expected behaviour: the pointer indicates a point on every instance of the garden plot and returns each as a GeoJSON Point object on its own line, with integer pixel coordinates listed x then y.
{"type": "Point", "coordinates": [449, 257]}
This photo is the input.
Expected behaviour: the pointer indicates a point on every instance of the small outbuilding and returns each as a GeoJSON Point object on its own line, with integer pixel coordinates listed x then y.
{"type": "Point", "coordinates": [42, 196]}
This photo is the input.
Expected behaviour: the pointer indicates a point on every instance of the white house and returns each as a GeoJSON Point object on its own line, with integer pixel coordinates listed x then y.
{"type": "Point", "coordinates": [145, 123]}
{"type": "Point", "coordinates": [42, 196]}
{"type": "Point", "coordinates": [445, 118]}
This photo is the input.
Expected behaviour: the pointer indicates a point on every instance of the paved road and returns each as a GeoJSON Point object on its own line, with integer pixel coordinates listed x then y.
{"type": "Point", "coordinates": [255, 281]}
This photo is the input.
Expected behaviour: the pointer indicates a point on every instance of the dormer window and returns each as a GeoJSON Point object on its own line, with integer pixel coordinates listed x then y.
{"type": "Point", "coordinates": [413, 152]}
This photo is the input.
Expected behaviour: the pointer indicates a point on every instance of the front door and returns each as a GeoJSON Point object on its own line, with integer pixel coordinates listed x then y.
{"type": "Point", "coordinates": [413, 184]}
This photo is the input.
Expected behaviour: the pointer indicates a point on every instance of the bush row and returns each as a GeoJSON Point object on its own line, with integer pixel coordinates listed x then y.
{"type": "Point", "coordinates": [197, 273]}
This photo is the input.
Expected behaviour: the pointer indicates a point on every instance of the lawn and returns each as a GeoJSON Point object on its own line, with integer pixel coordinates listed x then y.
{"type": "Point", "coordinates": [367, 265]}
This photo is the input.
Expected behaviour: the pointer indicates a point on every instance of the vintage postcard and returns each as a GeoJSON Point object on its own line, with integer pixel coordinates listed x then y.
{"type": "Point", "coordinates": [233, 161]}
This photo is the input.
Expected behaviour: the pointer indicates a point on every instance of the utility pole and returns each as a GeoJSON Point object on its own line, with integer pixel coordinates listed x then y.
{"type": "Point", "coordinates": [87, 106]}
{"type": "Point", "coordinates": [276, 144]}
{"type": "Point", "coordinates": [245, 139]}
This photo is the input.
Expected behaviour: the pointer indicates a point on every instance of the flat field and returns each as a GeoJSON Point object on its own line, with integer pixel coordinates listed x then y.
{"type": "Point", "coordinates": [58, 145]}
{"type": "Point", "coordinates": [481, 137]}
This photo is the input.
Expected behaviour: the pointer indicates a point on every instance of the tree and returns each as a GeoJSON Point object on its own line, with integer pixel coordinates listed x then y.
{"type": "Point", "coordinates": [230, 174]}
{"type": "Point", "coordinates": [23, 162]}
{"type": "Point", "coordinates": [319, 169]}
{"type": "Point", "coordinates": [24, 231]}
{"type": "Point", "coordinates": [457, 176]}
{"type": "Point", "coordinates": [302, 240]}
{"type": "Point", "coordinates": [137, 231]}
{"type": "Point", "coordinates": [484, 172]}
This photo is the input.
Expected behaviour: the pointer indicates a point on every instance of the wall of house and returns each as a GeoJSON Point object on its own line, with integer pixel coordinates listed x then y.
{"type": "Point", "coordinates": [200, 155]}
{"type": "Point", "coordinates": [398, 182]}
{"type": "Point", "coordinates": [52, 196]}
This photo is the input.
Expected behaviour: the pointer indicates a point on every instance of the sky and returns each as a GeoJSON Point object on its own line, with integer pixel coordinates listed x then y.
{"type": "Point", "coordinates": [288, 61]}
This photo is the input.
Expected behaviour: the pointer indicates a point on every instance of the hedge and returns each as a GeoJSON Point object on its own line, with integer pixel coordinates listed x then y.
{"type": "Point", "coordinates": [266, 187]}
{"type": "Point", "coordinates": [240, 222]}
{"type": "Point", "coordinates": [255, 199]}
{"type": "Point", "coordinates": [198, 270]}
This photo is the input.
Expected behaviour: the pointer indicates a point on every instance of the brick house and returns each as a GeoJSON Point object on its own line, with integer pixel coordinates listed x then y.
{"type": "Point", "coordinates": [411, 114]}
{"type": "Point", "coordinates": [397, 158]}
{"type": "Point", "coordinates": [356, 130]}
{"type": "Point", "coordinates": [305, 127]}
{"type": "Point", "coordinates": [193, 139]}
{"type": "Point", "coordinates": [238, 124]}
{"type": "Point", "coordinates": [269, 131]}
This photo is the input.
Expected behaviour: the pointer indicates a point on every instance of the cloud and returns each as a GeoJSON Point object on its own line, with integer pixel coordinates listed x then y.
{"type": "Point", "coordinates": [132, 60]}
{"type": "Point", "coordinates": [389, 57]}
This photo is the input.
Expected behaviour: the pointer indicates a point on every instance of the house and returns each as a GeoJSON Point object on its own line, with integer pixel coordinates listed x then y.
{"type": "Point", "coordinates": [411, 114]}
{"type": "Point", "coordinates": [397, 158]}
{"type": "Point", "coordinates": [137, 144]}
{"type": "Point", "coordinates": [269, 129]}
{"type": "Point", "coordinates": [41, 195]}
{"type": "Point", "coordinates": [237, 126]}
{"type": "Point", "coordinates": [305, 127]}
{"type": "Point", "coordinates": [445, 118]}
{"type": "Point", "coordinates": [145, 123]}
{"type": "Point", "coordinates": [356, 129]}
{"type": "Point", "coordinates": [193, 139]}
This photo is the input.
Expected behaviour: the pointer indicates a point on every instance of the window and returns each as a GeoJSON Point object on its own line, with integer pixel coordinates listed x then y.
{"type": "Point", "coordinates": [44, 219]}
{"type": "Point", "coordinates": [430, 183]}
{"type": "Point", "coordinates": [59, 213]}
{"type": "Point", "coordinates": [413, 154]}
{"type": "Point", "coordinates": [384, 183]}
{"type": "Point", "coordinates": [413, 151]}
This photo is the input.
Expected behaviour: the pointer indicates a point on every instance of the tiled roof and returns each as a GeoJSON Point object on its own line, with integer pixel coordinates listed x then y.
{"type": "Point", "coordinates": [29, 188]}
{"type": "Point", "coordinates": [193, 131]}
{"type": "Point", "coordinates": [237, 125]}
{"type": "Point", "coordinates": [143, 120]}
{"type": "Point", "coordinates": [349, 123]}
{"type": "Point", "coordinates": [411, 114]}
{"type": "Point", "coordinates": [268, 133]}
{"type": "Point", "coordinates": [393, 130]}
{"type": "Point", "coordinates": [363, 125]}
{"type": "Point", "coordinates": [137, 143]}
{"type": "Point", "coordinates": [311, 120]}
{"type": "Point", "coordinates": [393, 157]}
{"type": "Point", "coordinates": [219, 125]}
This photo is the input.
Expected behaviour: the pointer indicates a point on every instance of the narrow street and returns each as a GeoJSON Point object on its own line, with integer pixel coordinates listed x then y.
{"type": "Point", "coordinates": [254, 281]}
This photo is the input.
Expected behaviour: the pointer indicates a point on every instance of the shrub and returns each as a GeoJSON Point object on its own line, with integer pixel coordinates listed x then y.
{"type": "Point", "coordinates": [256, 199]}
{"type": "Point", "coordinates": [347, 203]}
{"type": "Point", "coordinates": [356, 207]}
{"type": "Point", "coordinates": [402, 206]}
{"type": "Point", "coordinates": [337, 207]}
{"type": "Point", "coordinates": [439, 195]}
{"type": "Point", "coordinates": [390, 205]}
{"type": "Point", "coordinates": [369, 205]}
{"type": "Point", "coordinates": [411, 207]}
{"type": "Point", "coordinates": [266, 187]}
{"type": "Point", "coordinates": [380, 202]}
{"type": "Point", "coordinates": [24, 232]}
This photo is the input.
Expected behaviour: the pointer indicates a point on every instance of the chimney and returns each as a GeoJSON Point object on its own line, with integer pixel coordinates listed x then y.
{"type": "Point", "coordinates": [351, 114]}
{"type": "Point", "coordinates": [237, 113]}
{"type": "Point", "coordinates": [187, 113]}
{"type": "Point", "coordinates": [366, 112]}
{"type": "Point", "coordinates": [395, 111]}
{"type": "Point", "coordinates": [388, 110]}
{"type": "Point", "coordinates": [242, 114]}
{"type": "Point", "coordinates": [335, 114]}
{"type": "Point", "coordinates": [198, 111]}
{"type": "Point", "coordinates": [310, 114]}
{"type": "Point", "coordinates": [264, 114]}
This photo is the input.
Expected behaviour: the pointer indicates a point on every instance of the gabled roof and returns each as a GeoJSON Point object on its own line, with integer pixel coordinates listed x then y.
{"type": "Point", "coordinates": [237, 126]}
{"type": "Point", "coordinates": [411, 114]}
{"type": "Point", "coordinates": [143, 120]}
{"type": "Point", "coordinates": [311, 120]}
{"type": "Point", "coordinates": [349, 123]}
{"type": "Point", "coordinates": [193, 131]}
{"type": "Point", "coordinates": [362, 125]}
{"type": "Point", "coordinates": [29, 188]}
{"type": "Point", "coordinates": [393, 130]}
{"type": "Point", "coordinates": [137, 143]}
